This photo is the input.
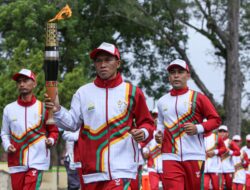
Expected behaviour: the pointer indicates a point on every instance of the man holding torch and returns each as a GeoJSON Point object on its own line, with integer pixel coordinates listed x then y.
{"type": "Point", "coordinates": [105, 110]}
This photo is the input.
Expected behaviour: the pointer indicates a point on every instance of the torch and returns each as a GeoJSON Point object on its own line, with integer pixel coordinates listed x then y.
{"type": "Point", "coordinates": [51, 59]}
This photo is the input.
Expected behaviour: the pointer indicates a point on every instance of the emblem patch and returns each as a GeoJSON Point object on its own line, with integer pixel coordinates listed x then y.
{"type": "Point", "coordinates": [91, 106]}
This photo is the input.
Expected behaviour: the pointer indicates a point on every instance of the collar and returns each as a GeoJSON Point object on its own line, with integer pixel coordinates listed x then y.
{"type": "Point", "coordinates": [108, 83]}
{"type": "Point", "coordinates": [26, 104]}
{"type": "Point", "coordinates": [207, 134]}
{"type": "Point", "coordinates": [225, 138]}
{"type": "Point", "coordinates": [177, 92]}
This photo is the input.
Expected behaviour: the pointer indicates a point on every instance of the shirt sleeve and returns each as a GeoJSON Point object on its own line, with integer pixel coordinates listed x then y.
{"type": "Point", "coordinates": [209, 112]}
{"type": "Point", "coordinates": [160, 119]}
{"type": "Point", "coordinates": [142, 115]}
{"type": "Point", "coordinates": [70, 120]}
{"type": "Point", "coordinates": [235, 150]}
{"type": "Point", "coordinates": [5, 132]}
{"type": "Point", "coordinates": [221, 146]}
{"type": "Point", "coordinates": [70, 136]}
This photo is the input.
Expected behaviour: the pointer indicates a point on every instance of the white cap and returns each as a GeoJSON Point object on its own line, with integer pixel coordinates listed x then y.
{"type": "Point", "coordinates": [24, 72]}
{"type": "Point", "coordinates": [180, 63]}
{"type": "Point", "coordinates": [237, 138]}
{"type": "Point", "coordinates": [248, 137]}
{"type": "Point", "coordinates": [107, 47]}
{"type": "Point", "coordinates": [223, 127]}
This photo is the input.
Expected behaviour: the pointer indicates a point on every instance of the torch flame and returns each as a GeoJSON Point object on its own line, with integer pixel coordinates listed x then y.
{"type": "Point", "coordinates": [64, 13]}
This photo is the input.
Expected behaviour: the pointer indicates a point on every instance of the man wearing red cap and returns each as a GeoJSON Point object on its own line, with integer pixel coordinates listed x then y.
{"type": "Point", "coordinates": [180, 121]}
{"type": "Point", "coordinates": [25, 136]}
{"type": "Point", "coordinates": [113, 117]}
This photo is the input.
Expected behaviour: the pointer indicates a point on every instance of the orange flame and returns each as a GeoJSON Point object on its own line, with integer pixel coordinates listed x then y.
{"type": "Point", "coordinates": [64, 13]}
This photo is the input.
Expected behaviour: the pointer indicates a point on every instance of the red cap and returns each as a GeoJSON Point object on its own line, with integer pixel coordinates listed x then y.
{"type": "Point", "coordinates": [180, 63]}
{"type": "Point", "coordinates": [24, 72]}
{"type": "Point", "coordinates": [107, 47]}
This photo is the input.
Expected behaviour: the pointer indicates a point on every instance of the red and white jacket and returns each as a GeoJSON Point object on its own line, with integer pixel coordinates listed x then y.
{"type": "Point", "coordinates": [24, 127]}
{"type": "Point", "coordinates": [214, 143]}
{"type": "Point", "coordinates": [105, 112]}
{"type": "Point", "coordinates": [226, 158]}
{"type": "Point", "coordinates": [174, 110]}
{"type": "Point", "coordinates": [246, 150]}
{"type": "Point", "coordinates": [240, 164]}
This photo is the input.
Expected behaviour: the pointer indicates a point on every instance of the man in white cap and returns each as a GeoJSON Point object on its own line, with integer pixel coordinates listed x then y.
{"type": "Point", "coordinates": [113, 117]}
{"type": "Point", "coordinates": [226, 159]}
{"type": "Point", "coordinates": [25, 135]}
{"type": "Point", "coordinates": [246, 149]}
{"type": "Point", "coordinates": [237, 140]}
{"type": "Point", "coordinates": [180, 119]}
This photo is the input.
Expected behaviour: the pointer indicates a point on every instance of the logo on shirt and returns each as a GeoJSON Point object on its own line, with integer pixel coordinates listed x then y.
{"type": "Point", "coordinates": [33, 172]}
{"type": "Point", "coordinates": [198, 174]}
{"type": "Point", "coordinates": [14, 119]}
{"type": "Point", "coordinates": [122, 105]}
{"type": "Point", "coordinates": [117, 182]}
{"type": "Point", "coordinates": [91, 106]}
{"type": "Point", "coordinates": [165, 108]}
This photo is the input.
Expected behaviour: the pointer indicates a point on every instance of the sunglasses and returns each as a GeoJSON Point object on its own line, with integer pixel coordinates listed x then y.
{"type": "Point", "coordinates": [222, 131]}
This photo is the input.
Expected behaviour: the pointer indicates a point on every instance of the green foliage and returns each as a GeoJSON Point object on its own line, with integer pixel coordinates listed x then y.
{"type": "Point", "coordinates": [245, 129]}
{"type": "Point", "coordinates": [71, 82]}
{"type": "Point", "coordinates": [149, 34]}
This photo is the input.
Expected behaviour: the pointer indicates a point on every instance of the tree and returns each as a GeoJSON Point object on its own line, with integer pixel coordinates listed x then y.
{"type": "Point", "coordinates": [149, 33]}
{"type": "Point", "coordinates": [162, 25]}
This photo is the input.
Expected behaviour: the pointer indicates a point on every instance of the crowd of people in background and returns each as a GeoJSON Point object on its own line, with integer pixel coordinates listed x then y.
{"type": "Point", "coordinates": [112, 139]}
{"type": "Point", "coordinates": [226, 165]}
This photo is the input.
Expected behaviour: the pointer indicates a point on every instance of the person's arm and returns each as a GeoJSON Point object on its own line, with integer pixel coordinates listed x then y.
{"type": "Point", "coordinates": [70, 120]}
{"type": "Point", "coordinates": [52, 132]}
{"type": "Point", "coordinates": [143, 119]}
{"type": "Point", "coordinates": [244, 160]}
{"type": "Point", "coordinates": [209, 112]}
{"type": "Point", "coordinates": [221, 148]}
{"type": "Point", "coordinates": [70, 136]}
{"type": "Point", "coordinates": [234, 149]}
{"type": "Point", "coordinates": [5, 131]}
{"type": "Point", "coordinates": [160, 125]}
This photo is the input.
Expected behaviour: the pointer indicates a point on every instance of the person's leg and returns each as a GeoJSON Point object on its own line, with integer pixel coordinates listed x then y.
{"type": "Point", "coordinates": [247, 181]}
{"type": "Point", "coordinates": [72, 177]}
{"type": "Point", "coordinates": [154, 180]}
{"type": "Point", "coordinates": [173, 175]}
{"type": "Point", "coordinates": [228, 180]}
{"type": "Point", "coordinates": [136, 184]}
{"type": "Point", "coordinates": [79, 170]}
{"type": "Point", "coordinates": [116, 184]}
{"type": "Point", "coordinates": [238, 186]}
{"type": "Point", "coordinates": [194, 175]}
{"type": "Point", "coordinates": [17, 180]}
{"type": "Point", "coordinates": [33, 179]}
{"type": "Point", "coordinates": [215, 181]}
{"type": "Point", "coordinates": [206, 181]}
{"type": "Point", "coordinates": [234, 187]}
